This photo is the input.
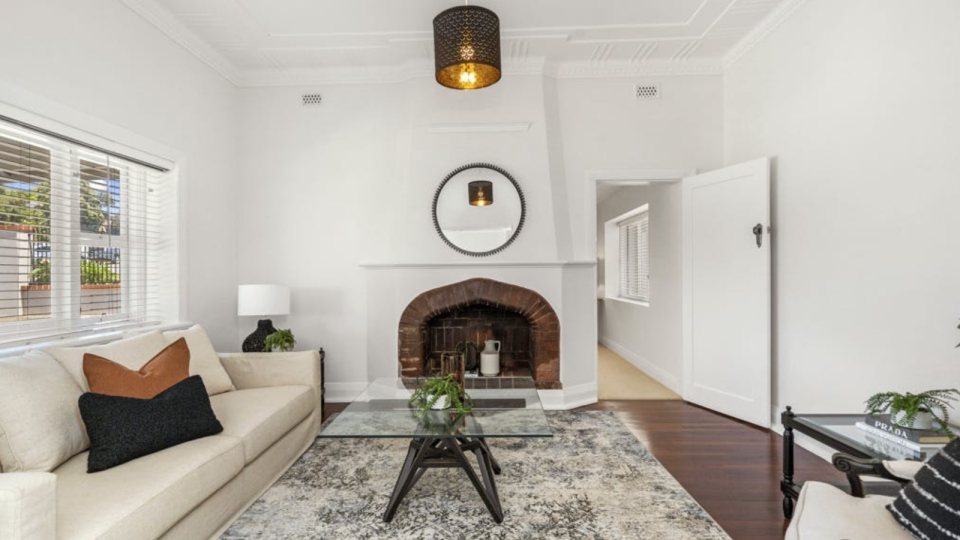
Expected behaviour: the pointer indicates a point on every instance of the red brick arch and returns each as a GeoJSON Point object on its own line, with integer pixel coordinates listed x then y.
{"type": "Point", "coordinates": [544, 324]}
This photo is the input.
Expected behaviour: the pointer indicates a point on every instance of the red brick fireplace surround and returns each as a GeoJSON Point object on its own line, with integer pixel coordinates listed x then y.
{"type": "Point", "coordinates": [544, 324]}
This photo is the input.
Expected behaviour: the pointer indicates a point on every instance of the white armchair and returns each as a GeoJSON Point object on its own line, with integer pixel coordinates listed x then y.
{"type": "Point", "coordinates": [824, 512]}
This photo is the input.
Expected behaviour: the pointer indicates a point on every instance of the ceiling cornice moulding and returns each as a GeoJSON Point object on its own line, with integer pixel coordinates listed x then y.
{"type": "Point", "coordinates": [756, 35]}
{"type": "Point", "coordinates": [175, 30]}
{"type": "Point", "coordinates": [572, 70]}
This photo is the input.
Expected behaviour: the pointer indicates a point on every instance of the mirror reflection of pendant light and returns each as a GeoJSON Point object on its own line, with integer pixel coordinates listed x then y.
{"type": "Point", "coordinates": [466, 46]}
{"type": "Point", "coordinates": [481, 193]}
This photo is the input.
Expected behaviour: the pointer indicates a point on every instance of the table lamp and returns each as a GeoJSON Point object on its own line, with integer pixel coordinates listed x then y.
{"type": "Point", "coordinates": [261, 301]}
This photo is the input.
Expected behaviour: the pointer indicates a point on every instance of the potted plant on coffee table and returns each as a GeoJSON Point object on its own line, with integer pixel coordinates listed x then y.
{"type": "Point", "coordinates": [926, 410]}
{"type": "Point", "coordinates": [441, 393]}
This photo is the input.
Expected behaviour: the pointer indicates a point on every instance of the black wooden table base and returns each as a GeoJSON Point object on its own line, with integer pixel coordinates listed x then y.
{"type": "Point", "coordinates": [430, 453]}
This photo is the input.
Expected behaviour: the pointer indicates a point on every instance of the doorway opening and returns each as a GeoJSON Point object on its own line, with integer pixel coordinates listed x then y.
{"type": "Point", "coordinates": [637, 219]}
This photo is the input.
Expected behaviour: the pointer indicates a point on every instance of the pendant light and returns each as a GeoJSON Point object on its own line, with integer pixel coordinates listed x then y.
{"type": "Point", "coordinates": [481, 193]}
{"type": "Point", "coordinates": [466, 45]}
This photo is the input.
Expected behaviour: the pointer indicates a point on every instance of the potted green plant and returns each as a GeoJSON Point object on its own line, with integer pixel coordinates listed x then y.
{"type": "Point", "coordinates": [926, 410]}
{"type": "Point", "coordinates": [441, 393]}
{"type": "Point", "coordinates": [280, 340]}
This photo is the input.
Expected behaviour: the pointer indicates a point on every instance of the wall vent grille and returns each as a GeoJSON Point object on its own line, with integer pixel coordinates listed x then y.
{"type": "Point", "coordinates": [648, 91]}
{"type": "Point", "coordinates": [312, 99]}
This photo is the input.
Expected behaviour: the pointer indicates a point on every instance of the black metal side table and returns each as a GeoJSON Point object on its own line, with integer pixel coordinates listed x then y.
{"type": "Point", "coordinates": [323, 380]}
{"type": "Point", "coordinates": [838, 431]}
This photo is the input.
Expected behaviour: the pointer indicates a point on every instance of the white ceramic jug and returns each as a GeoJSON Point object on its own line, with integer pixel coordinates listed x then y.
{"type": "Point", "coordinates": [490, 358]}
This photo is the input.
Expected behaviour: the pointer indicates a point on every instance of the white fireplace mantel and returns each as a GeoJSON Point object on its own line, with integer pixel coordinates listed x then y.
{"type": "Point", "coordinates": [480, 264]}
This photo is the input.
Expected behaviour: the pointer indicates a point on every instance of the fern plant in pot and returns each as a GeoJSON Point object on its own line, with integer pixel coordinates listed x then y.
{"type": "Point", "coordinates": [280, 340]}
{"type": "Point", "coordinates": [440, 393]}
{"type": "Point", "coordinates": [927, 410]}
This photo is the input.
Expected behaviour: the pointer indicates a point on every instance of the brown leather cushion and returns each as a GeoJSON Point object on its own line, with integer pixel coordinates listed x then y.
{"type": "Point", "coordinates": [165, 369]}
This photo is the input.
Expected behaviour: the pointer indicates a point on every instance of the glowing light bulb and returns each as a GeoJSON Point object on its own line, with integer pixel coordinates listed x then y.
{"type": "Point", "coordinates": [468, 76]}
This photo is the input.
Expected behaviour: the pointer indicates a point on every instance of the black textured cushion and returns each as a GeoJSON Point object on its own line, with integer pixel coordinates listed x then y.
{"type": "Point", "coordinates": [929, 507]}
{"type": "Point", "coordinates": [122, 429]}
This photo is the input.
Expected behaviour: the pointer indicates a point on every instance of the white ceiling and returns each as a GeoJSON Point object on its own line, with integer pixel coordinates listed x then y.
{"type": "Point", "coordinates": [269, 42]}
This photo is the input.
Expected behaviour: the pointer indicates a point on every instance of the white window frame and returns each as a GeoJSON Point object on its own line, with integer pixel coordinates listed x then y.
{"type": "Point", "coordinates": [612, 233]}
{"type": "Point", "coordinates": [82, 128]}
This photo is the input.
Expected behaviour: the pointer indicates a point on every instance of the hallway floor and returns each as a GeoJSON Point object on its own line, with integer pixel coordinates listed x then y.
{"type": "Point", "coordinates": [619, 379]}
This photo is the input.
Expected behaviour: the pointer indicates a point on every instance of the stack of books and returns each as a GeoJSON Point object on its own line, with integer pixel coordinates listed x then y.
{"type": "Point", "coordinates": [898, 442]}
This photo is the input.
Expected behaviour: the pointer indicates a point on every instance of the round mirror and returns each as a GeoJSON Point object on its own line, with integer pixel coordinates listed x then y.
{"type": "Point", "coordinates": [478, 209]}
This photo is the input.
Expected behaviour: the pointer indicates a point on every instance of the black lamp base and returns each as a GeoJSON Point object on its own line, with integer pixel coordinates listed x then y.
{"type": "Point", "coordinates": [257, 341]}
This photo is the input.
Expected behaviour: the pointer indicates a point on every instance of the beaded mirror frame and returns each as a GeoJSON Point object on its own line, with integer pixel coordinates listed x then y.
{"type": "Point", "coordinates": [523, 209]}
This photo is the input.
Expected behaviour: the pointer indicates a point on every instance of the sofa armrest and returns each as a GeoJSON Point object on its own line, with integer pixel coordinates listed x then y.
{"type": "Point", "coordinates": [258, 370]}
{"type": "Point", "coordinates": [903, 469]}
{"type": "Point", "coordinates": [28, 506]}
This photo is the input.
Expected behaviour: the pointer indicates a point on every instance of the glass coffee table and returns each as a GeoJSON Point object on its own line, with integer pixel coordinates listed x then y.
{"type": "Point", "coordinates": [442, 439]}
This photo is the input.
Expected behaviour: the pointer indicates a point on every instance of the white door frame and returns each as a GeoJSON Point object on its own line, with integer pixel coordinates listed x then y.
{"type": "Point", "coordinates": [623, 177]}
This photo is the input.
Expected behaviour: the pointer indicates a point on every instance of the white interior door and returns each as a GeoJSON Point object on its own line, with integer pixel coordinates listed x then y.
{"type": "Point", "coordinates": [726, 283]}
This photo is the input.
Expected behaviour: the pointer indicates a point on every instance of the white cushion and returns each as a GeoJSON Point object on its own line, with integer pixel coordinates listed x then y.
{"type": "Point", "coordinates": [203, 359]}
{"type": "Point", "coordinates": [132, 353]}
{"type": "Point", "coordinates": [40, 425]}
{"type": "Point", "coordinates": [144, 497]}
{"type": "Point", "coordinates": [824, 512]}
{"type": "Point", "coordinates": [28, 506]}
{"type": "Point", "coordinates": [261, 416]}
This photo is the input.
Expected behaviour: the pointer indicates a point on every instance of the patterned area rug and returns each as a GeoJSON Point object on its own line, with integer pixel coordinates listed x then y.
{"type": "Point", "coordinates": [592, 480]}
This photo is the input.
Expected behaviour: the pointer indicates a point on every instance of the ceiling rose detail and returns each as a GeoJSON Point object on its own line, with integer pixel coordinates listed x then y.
{"type": "Point", "coordinates": [466, 45]}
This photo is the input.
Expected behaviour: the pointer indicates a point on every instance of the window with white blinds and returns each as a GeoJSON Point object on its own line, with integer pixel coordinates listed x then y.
{"type": "Point", "coordinates": [635, 257]}
{"type": "Point", "coordinates": [85, 238]}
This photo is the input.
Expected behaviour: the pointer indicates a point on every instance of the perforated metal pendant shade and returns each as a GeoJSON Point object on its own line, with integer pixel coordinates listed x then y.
{"type": "Point", "coordinates": [466, 45]}
{"type": "Point", "coordinates": [480, 192]}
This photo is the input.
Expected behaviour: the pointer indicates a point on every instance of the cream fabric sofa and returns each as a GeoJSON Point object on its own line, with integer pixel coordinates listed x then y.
{"type": "Point", "coordinates": [824, 512]}
{"type": "Point", "coordinates": [193, 490]}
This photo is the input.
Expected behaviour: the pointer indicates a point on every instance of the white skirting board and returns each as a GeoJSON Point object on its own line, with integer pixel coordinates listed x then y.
{"type": "Point", "coordinates": [554, 400]}
{"type": "Point", "coordinates": [343, 392]}
{"type": "Point", "coordinates": [658, 374]}
{"type": "Point", "coordinates": [570, 397]}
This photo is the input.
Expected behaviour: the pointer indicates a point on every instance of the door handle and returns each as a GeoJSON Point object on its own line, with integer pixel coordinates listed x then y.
{"type": "Point", "coordinates": [758, 232]}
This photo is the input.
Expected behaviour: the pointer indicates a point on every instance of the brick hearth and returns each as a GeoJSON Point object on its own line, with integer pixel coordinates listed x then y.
{"type": "Point", "coordinates": [480, 293]}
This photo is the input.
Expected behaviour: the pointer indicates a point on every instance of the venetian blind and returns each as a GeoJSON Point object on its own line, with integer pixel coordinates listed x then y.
{"type": "Point", "coordinates": [86, 239]}
{"type": "Point", "coordinates": [635, 258]}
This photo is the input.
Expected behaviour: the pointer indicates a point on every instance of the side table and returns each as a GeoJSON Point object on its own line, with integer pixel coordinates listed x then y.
{"type": "Point", "coordinates": [838, 431]}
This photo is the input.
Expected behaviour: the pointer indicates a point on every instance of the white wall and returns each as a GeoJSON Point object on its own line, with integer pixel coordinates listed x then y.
{"type": "Point", "coordinates": [99, 58]}
{"type": "Point", "coordinates": [604, 127]}
{"type": "Point", "coordinates": [857, 103]}
{"type": "Point", "coordinates": [649, 337]}
{"type": "Point", "coordinates": [329, 188]}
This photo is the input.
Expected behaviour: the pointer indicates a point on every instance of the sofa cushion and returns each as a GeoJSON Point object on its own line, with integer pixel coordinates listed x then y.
{"type": "Point", "coordinates": [40, 424]}
{"type": "Point", "coordinates": [204, 360]}
{"type": "Point", "coordinates": [122, 429]}
{"type": "Point", "coordinates": [824, 512]}
{"type": "Point", "coordinates": [929, 507]}
{"type": "Point", "coordinates": [145, 497]}
{"type": "Point", "coordinates": [261, 416]}
{"type": "Point", "coordinates": [131, 352]}
{"type": "Point", "coordinates": [170, 366]}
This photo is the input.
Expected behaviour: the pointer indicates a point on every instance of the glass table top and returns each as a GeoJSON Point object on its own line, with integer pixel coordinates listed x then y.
{"type": "Point", "coordinates": [382, 411]}
{"type": "Point", "coordinates": [844, 428]}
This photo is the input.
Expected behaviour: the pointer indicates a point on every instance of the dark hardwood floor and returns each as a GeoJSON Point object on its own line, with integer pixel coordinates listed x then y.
{"type": "Point", "coordinates": [731, 468]}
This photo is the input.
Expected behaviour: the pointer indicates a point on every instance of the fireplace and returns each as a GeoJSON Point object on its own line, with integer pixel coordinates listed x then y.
{"type": "Point", "coordinates": [476, 310]}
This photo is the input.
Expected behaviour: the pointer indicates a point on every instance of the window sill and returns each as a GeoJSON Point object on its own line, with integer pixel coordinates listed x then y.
{"type": "Point", "coordinates": [79, 338]}
{"type": "Point", "coordinates": [628, 301]}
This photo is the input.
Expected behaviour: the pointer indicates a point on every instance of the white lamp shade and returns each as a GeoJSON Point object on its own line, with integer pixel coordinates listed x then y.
{"type": "Point", "coordinates": [261, 300]}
